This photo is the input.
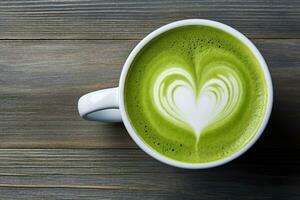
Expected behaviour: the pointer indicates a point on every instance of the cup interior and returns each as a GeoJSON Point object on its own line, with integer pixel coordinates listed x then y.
{"type": "Point", "coordinates": [157, 32]}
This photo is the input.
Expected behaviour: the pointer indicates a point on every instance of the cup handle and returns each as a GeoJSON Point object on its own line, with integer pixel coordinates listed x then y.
{"type": "Point", "coordinates": [101, 105]}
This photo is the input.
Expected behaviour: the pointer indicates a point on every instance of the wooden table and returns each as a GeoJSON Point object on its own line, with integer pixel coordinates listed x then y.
{"type": "Point", "coordinates": [52, 52]}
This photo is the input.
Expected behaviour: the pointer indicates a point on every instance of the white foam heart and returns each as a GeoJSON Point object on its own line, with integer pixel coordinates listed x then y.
{"type": "Point", "coordinates": [180, 102]}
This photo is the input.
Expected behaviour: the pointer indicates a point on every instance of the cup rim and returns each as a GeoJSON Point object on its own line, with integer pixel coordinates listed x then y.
{"type": "Point", "coordinates": [204, 22]}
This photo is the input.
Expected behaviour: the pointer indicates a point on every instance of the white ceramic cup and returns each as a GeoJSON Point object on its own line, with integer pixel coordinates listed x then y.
{"type": "Point", "coordinates": [108, 105]}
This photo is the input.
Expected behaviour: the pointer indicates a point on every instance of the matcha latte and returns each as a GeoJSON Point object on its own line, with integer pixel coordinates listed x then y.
{"type": "Point", "coordinates": [195, 94]}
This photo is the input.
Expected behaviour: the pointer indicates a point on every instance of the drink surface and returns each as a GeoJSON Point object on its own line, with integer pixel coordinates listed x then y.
{"type": "Point", "coordinates": [196, 94]}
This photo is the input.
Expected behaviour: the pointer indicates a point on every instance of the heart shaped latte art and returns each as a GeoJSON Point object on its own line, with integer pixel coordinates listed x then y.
{"type": "Point", "coordinates": [183, 102]}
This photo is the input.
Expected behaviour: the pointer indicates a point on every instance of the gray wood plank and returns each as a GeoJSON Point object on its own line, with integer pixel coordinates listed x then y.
{"type": "Point", "coordinates": [41, 81]}
{"type": "Point", "coordinates": [93, 19]}
{"type": "Point", "coordinates": [131, 174]}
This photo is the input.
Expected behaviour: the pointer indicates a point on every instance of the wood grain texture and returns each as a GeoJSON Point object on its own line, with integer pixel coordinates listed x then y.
{"type": "Point", "coordinates": [131, 174]}
{"type": "Point", "coordinates": [41, 82]}
{"type": "Point", "coordinates": [105, 19]}
{"type": "Point", "coordinates": [52, 52]}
